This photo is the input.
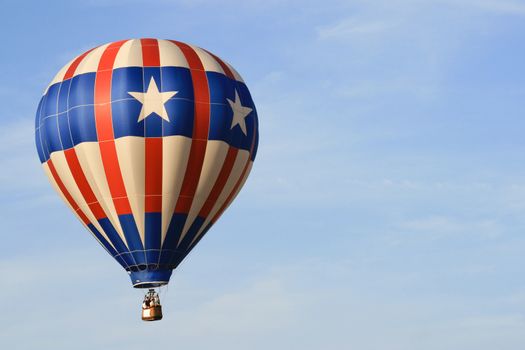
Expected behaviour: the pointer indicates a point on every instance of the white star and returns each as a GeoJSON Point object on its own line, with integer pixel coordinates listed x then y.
{"type": "Point", "coordinates": [239, 113]}
{"type": "Point", "coordinates": [153, 101]}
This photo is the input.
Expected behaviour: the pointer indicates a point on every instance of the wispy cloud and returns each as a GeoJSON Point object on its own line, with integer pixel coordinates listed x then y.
{"type": "Point", "coordinates": [350, 27]}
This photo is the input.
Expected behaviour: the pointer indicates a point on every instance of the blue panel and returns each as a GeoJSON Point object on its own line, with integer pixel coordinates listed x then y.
{"type": "Point", "coordinates": [246, 141]}
{"type": "Point", "coordinates": [129, 227]}
{"type": "Point", "coordinates": [128, 256]}
{"type": "Point", "coordinates": [150, 279]}
{"type": "Point", "coordinates": [38, 112]}
{"type": "Point", "coordinates": [125, 80]}
{"type": "Point", "coordinates": [237, 137]}
{"type": "Point", "coordinates": [51, 134]}
{"type": "Point", "coordinates": [254, 153]}
{"type": "Point", "coordinates": [192, 232]}
{"type": "Point", "coordinates": [113, 235]}
{"type": "Point", "coordinates": [126, 109]}
{"type": "Point", "coordinates": [40, 130]}
{"type": "Point", "coordinates": [63, 96]}
{"type": "Point", "coordinates": [172, 238]}
{"type": "Point", "coordinates": [115, 239]}
{"type": "Point", "coordinates": [220, 122]}
{"type": "Point", "coordinates": [152, 72]}
{"type": "Point", "coordinates": [177, 79]}
{"type": "Point", "coordinates": [152, 229]}
{"type": "Point", "coordinates": [51, 105]}
{"type": "Point", "coordinates": [82, 124]}
{"type": "Point", "coordinates": [188, 250]}
{"type": "Point", "coordinates": [180, 112]}
{"type": "Point", "coordinates": [125, 114]}
{"type": "Point", "coordinates": [102, 240]}
{"type": "Point", "coordinates": [221, 88]}
{"type": "Point", "coordinates": [82, 91]}
{"type": "Point", "coordinates": [63, 127]}
{"type": "Point", "coordinates": [43, 138]}
{"type": "Point", "coordinates": [153, 125]}
{"type": "Point", "coordinates": [39, 149]}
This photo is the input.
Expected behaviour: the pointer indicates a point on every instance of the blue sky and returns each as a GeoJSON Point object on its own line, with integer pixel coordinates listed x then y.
{"type": "Point", "coordinates": [385, 209]}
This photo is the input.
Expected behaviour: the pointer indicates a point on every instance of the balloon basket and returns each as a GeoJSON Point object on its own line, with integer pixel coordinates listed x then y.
{"type": "Point", "coordinates": [151, 308]}
{"type": "Point", "coordinates": [152, 313]}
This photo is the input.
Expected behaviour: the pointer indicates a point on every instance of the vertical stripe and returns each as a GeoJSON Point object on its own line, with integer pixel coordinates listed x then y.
{"type": "Point", "coordinates": [65, 173]}
{"type": "Point", "coordinates": [104, 127]}
{"type": "Point", "coordinates": [170, 55]}
{"type": "Point", "coordinates": [201, 122]}
{"type": "Point", "coordinates": [108, 151]}
{"type": "Point", "coordinates": [92, 60]}
{"type": "Point", "coordinates": [91, 162]}
{"type": "Point", "coordinates": [221, 181]}
{"type": "Point", "coordinates": [114, 177]}
{"type": "Point", "coordinates": [150, 52]}
{"type": "Point", "coordinates": [153, 162]}
{"type": "Point", "coordinates": [129, 55]}
{"type": "Point", "coordinates": [216, 152]}
{"type": "Point", "coordinates": [209, 63]}
{"type": "Point", "coordinates": [82, 183]}
{"type": "Point", "coordinates": [235, 191]}
{"type": "Point", "coordinates": [175, 155]}
{"type": "Point", "coordinates": [153, 178]}
{"type": "Point", "coordinates": [131, 157]}
{"type": "Point", "coordinates": [235, 175]}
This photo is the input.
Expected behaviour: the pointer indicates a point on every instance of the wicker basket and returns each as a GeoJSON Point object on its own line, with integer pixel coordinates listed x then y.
{"type": "Point", "coordinates": [153, 313]}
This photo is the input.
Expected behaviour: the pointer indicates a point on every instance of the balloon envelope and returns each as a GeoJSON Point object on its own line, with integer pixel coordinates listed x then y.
{"type": "Point", "coordinates": [147, 141]}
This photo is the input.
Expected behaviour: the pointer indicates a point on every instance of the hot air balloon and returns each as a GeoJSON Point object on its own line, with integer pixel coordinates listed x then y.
{"type": "Point", "coordinates": [148, 141]}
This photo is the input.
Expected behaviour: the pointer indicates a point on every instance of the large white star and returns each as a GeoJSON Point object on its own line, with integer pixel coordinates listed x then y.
{"type": "Point", "coordinates": [240, 113]}
{"type": "Point", "coordinates": [153, 101]}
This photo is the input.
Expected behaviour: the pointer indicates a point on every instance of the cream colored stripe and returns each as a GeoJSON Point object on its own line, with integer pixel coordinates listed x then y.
{"type": "Point", "coordinates": [238, 167]}
{"type": "Point", "coordinates": [250, 165]}
{"type": "Point", "coordinates": [129, 55]}
{"type": "Point", "coordinates": [62, 168]}
{"type": "Point", "coordinates": [91, 163]}
{"type": "Point", "coordinates": [57, 189]}
{"type": "Point", "coordinates": [209, 63]}
{"type": "Point", "coordinates": [131, 158]}
{"type": "Point", "coordinates": [90, 63]}
{"type": "Point", "coordinates": [175, 154]}
{"type": "Point", "coordinates": [60, 75]}
{"type": "Point", "coordinates": [213, 160]}
{"type": "Point", "coordinates": [170, 55]}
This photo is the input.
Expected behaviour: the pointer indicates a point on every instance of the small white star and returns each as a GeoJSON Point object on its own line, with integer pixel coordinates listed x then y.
{"type": "Point", "coordinates": [153, 101]}
{"type": "Point", "coordinates": [240, 113]}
